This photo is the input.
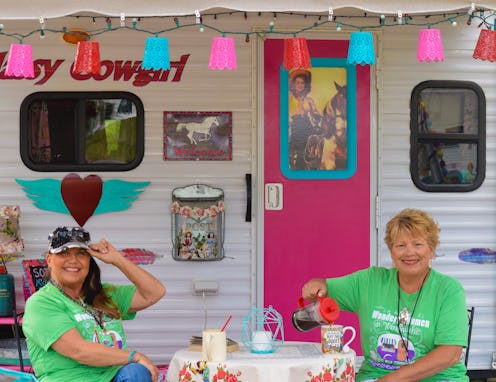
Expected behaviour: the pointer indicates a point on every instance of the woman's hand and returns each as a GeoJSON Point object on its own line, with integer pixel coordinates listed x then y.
{"type": "Point", "coordinates": [313, 289]}
{"type": "Point", "coordinates": [105, 251]}
{"type": "Point", "coordinates": [147, 362]}
{"type": "Point", "coordinates": [148, 288]}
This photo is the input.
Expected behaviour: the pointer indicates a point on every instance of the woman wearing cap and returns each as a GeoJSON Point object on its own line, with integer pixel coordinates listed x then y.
{"type": "Point", "coordinates": [73, 325]}
{"type": "Point", "coordinates": [303, 113]}
{"type": "Point", "coordinates": [413, 319]}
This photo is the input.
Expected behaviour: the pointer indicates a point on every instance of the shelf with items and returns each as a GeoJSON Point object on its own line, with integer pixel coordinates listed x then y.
{"type": "Point", "coordinates": [13, 350]}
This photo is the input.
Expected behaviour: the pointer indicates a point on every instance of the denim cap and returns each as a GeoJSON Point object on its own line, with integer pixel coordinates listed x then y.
{"type": "Point", "coordinates": [63, 238]}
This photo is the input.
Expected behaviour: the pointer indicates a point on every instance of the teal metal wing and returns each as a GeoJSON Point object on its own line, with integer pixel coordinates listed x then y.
{"type": "Point", "coordinates": [45, 194]}
{"type": "Point", "coordinates": [119, 195]}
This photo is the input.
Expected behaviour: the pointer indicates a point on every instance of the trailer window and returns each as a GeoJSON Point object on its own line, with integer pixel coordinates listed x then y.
{"type": "Point", "coordinates": [447, 136]}
{"type": "Point", "coordinates": [82, 131]}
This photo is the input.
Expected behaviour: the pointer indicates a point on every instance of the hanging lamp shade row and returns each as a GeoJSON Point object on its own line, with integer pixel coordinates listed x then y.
{"type": "Point", "coordinates": [361, 49]}
{"type": "Point", "coordinates": [20, 61]}
{"type": "Point", "coordinates": [156, 55]}
{"type": "Point", "coordinates": [87, 59]}
{"type": "Point", "coordinates": [296, 55]}
{"type": "Point", "coordinates": [430, 46]}
{"type": "Point", "coordinates": [486, 46]}
{"type": "Point", "coordinates": [222, 54]}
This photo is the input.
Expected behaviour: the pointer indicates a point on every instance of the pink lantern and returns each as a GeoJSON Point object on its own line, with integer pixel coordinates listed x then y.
{"type": "Point", "coordinates": [430, 46]}
{"type": "Point", "coordinates": [222, 54]}
{"type": "Point", "coordinates": [87, 59]}
{"type": "Point", "coordinates": [296, 55]}
{"type": "Point", "coordinates": [486, 46]}
{"type": "Point", "coordinates": [20, 61]}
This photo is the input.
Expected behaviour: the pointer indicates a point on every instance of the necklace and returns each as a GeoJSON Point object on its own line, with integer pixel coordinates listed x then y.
{"type": "Point", "coordinates": [92, 311]}
{"type": "Point", "coordinates": [404, 316]}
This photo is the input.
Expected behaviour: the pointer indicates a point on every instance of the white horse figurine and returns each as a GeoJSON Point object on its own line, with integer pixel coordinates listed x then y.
{"type": "Point", "coordinates": [202, 128]}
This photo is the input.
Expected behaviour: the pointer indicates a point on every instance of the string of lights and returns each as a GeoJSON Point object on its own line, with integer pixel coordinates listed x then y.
{"type": "Point", "coordinates": [223, 56]}
{"type": "Point", "coordinates": [483, 18]}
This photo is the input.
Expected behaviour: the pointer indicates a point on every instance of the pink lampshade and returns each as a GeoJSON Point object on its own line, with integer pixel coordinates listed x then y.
{"type": "Point", "coordinates": [296, 55]}
{"type": "Point", "coordinates": [20, 61]}
{"type": "Point", "coordinates": [486, 46]}
{"type": "Point", "coordinates": [222, 54]}
{"type": "Point", "coordinates": [87, 59]}
{"type": "Point", "coordinates": [430, 46]}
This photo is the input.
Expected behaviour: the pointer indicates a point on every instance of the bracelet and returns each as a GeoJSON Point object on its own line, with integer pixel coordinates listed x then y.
{"type": "Point", "coordinates": [131, 356]}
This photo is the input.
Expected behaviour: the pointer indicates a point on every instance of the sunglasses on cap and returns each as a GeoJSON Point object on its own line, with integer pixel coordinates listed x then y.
{"type": "Point", "coordinates": [68, 237]}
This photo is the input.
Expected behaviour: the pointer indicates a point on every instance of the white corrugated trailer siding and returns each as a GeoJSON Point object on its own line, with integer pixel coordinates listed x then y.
{"type": "Point", "coordinates": [167, 326]}
{"type": "Point", "coordinates": [467, 219]}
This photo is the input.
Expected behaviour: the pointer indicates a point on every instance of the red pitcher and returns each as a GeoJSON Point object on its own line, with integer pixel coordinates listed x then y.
{"type": "Point", "coordinates": [324, 311]}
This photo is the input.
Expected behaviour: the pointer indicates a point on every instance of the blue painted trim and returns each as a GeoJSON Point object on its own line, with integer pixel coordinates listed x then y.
{"type": "Point", "coordinates": [351, 124]}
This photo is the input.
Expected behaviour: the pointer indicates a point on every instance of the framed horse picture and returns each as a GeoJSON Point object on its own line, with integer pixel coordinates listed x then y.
{"type": "Point", "coordinates": [197, 135]}
{"type": "Point", "coordinates": [318, 120]}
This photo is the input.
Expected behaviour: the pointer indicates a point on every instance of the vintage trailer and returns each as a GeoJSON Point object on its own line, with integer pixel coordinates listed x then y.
{"type": "Point", "coordinates": [279, 224]}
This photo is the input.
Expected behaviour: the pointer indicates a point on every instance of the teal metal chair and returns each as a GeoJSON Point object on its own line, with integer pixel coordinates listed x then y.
{"type": "Point", "coordinates": [12, 375]}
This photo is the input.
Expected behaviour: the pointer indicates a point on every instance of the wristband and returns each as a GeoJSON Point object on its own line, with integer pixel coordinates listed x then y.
{"type": "Point", "coordinates": [131, 356]}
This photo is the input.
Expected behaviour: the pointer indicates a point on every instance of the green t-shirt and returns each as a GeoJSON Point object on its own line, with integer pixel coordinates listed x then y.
{"type": "Point", "coordinates": [49, 314]}
{"type": "Point", "coordinates": [439, 318]}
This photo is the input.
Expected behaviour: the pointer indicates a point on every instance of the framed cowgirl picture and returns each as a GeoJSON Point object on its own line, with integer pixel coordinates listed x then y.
{"type": "Point", "coordinates": [318, 120]}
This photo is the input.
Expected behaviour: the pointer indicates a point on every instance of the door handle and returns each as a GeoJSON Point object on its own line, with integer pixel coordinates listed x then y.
{"type": "Point", "coordinates": [273, 196]}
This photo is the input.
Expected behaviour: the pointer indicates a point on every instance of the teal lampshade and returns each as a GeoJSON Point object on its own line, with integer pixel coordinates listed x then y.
{"type": "Point", "coordinates": [156, 55]}
{"type": "Point", "coordinates": [361, 49]}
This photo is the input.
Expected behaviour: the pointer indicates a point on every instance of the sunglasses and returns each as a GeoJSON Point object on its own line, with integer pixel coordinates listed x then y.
{"type": "Point", "coordinates": [65, 237]}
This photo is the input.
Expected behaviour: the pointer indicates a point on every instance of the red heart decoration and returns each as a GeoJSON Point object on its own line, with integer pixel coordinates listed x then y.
{"type": "Point", "coordinates": [81, 196]}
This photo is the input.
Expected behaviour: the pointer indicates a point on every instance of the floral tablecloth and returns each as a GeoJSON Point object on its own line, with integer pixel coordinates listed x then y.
{"type": "Point", "coordinates": [292, 362]}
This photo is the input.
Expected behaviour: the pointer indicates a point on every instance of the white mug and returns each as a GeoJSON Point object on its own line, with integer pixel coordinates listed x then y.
{"type": "Point", "coordinates": [332, 338]}
{"type": "Point", "coordinates": [261, 341]}
{"type": "Point", "coordinates": [214, 348]}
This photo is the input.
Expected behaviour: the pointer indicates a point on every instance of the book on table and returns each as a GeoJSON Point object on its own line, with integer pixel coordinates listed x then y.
{"type": "Point", "coordinates": [195, 344]}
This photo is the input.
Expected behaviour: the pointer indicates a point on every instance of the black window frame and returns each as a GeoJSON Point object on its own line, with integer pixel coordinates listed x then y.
{"type": "Point", "coordinates": [417, 137]}
{"type": "Point", "coordinates": [25, 138]}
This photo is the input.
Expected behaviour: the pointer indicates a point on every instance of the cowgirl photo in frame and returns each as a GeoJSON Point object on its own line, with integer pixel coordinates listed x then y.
{"type": "Point", "coordinates": [318, 121]}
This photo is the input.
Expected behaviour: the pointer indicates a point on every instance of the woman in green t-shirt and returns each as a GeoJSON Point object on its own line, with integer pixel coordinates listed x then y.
{"type": "Point", "coordinates": [413, 319]}
{"type": "Point", "coordinates": [73, 325]}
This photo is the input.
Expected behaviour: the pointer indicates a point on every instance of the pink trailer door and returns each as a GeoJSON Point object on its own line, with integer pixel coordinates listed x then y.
{"type": "Point", "coordinates": [317, 166]}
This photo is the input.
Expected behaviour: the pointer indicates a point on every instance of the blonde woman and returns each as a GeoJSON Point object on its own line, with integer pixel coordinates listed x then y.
{"type": "Point", "coordinates": [411, 306]}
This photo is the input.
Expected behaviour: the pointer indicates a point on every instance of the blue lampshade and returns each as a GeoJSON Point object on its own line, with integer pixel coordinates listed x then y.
{"type": "Point", "coordinates": [361, 49]}
{"type": "Point", "coordinates": [156, 55]}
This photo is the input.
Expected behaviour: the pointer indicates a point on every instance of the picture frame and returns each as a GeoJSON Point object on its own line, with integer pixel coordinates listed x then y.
{"type": "Point", "coordinates": [198, 135]}
{"type": "Point", "coordinates": [318, 120]}
{"type": "Point", "coordinates": [34, 275]}
{"type": "Point", "coordinates": [198, 223]}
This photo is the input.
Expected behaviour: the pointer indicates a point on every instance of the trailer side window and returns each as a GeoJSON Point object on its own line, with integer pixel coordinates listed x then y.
{"type": "Point", "coordinates": [82, 131]}
{"type": "Point", "coordinates": [447, 136]}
